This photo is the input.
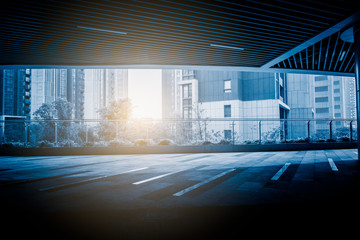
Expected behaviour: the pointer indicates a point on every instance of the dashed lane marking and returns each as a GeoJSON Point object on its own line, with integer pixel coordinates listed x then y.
{"type": "Point", "coordinates": [280, 172]}
{"type": "Point", "coordinates": [156, 177]}
{"type": "Point", "coordinates": [182, 192]}
{"type": "Point", "coordinates": [87, 180]}
{"type": "Point", "coordinates": [332, 165]}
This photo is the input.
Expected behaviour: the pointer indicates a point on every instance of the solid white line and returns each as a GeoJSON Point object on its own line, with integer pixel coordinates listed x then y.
{"type": "Point", "coordinates": [332, 165]}
{"type": "Point", "coordinates": [88, 180]}
{"type": "Point", "coordinates": [178, 194]}
{"type": "Point", "coordinates": [280, 172]}
{"type": "Point", "coordinates": [154, 178]}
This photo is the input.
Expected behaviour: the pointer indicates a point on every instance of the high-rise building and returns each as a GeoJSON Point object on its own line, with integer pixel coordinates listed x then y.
{"type": "Point", "coordinates": [15, 85]}
{"type": "Point", "coordinates": [320, 98]}
{"type": "Point", "coordinates": [49, 85]}
{"type": "Point", "coordinates": [222, 94]}
{"type": "Point", "coordinates": [15, 102]}
{"type": "Point", "coordinates": [334, 99]}
{"type": "Point", "coordinates": [104, 86]}
{"type": "Point", "coordinates": [301, 100]}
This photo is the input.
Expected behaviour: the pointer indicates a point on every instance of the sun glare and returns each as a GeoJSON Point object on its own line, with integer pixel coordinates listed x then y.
{"type": "Point", "coordinates": [145, 92]}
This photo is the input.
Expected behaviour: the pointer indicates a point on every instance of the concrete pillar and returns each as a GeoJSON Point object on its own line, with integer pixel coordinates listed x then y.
{"type": "Point", "coordinates": [357, 79]}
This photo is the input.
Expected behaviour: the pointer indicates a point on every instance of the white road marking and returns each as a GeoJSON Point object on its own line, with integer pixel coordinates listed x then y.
{"type": "Point", "coordinates": [178, 194]}
{"type": "Point", "coordinates": [88, 180]}
{"type": "Point", "coordinates": [154, 178]}
{"type": "Point", "coordinates": [280, 172]}
{"type": "Point", "coordinates": [332, 165]}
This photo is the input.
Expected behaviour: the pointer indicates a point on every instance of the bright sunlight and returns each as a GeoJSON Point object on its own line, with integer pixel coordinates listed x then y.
{"type": "Point", "coordinates": [145, 92]}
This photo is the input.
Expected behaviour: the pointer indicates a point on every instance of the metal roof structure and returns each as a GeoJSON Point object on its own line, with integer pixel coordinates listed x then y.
{"type": "Point", "coordinates": [290, 36]}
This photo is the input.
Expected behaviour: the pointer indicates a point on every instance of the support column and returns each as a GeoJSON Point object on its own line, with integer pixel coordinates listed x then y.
{"type": "Point", "coordinates": [357, 80]}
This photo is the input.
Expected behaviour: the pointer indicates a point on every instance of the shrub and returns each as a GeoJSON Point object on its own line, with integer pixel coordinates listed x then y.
{"type": "Point", "coordinates": [141, 142]}
{"type": "Point", "coordinates": [165, 142]}
{"type": "Point", "coordinates": [345, 139]}
{"type": "Point", "coordinates": [224, 142]}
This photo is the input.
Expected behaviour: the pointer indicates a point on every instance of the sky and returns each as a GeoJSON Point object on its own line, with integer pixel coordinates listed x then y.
{"type": "Point", "coordinates": [145, 92]}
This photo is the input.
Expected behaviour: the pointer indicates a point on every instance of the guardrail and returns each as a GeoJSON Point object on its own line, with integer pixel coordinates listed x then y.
{"type": "Point", "coordinates": [183, 132]}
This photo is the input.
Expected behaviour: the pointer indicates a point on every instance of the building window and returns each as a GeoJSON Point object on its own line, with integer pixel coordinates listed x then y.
{"type": "Point", "coordinates": [321, 99]}
{"type": "Point", "coordinates": [336, 106]}
{"type": "Point", "coordinates": [337, 115]}
{"type": "Point", "coordinates": [337, 82]}
{"type": "Point", "coordinates": [187, 112]}
{"type": "Point", "coordinates": [187, 101]}
{"type": "Point", "coordinates": [321, 89]}
{"type": "Point", "coordinates": [187, 90]}
{"type": "Point", "coordinates": [227, 86]}
{"type": "Point", "coordinates": [337, 99]}
{"type": "Point", "coordinates": [322, 110]}
{"type": "Point", "coordinates": [320, 78]}
{"type": "Point", "coordinates": [227, 134]}
{"type": "Point", "coordinates": [337, 90]}
{"type": "Point", "coordinates": [227, 110]}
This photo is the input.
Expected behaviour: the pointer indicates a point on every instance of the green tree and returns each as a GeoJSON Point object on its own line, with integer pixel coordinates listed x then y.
{"type": "Point", "coordinates": [60, 109]}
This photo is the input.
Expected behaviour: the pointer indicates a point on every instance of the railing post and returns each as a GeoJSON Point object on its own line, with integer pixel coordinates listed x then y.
{"type": "Point", "coordinates": [117, 130]}
{"type": "Point", "coordinates": [86, 133]}
{"type": "Point", "coordinates": [260, 132]}
{"type": "Point", "coordinates": [56, 134]}
{"type": "Point", "coordinates": [351, 131]}
{"type": "Point", "coordinates": [285, 126]}
{"type": "Point", "coordinates": [308, 130]}
{"type": "Point", "coordinates": [233, 132]}
{"type": "Point", "coordinates": [205, 131]}
{"type": "Point", "coordinates": [26, 134]}
{"type": "Point", "coordinates": [330, 129]}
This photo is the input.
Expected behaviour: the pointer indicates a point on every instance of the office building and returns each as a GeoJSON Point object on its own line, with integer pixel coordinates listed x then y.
{"type": "Point", "coordinates": [223, 94]}
{"type": "Point", "coordinates": [15, 103]}
{"type": "Point", "coordinates": [104, 86]}
{"type": "Point", "coordinates": [49, 85]}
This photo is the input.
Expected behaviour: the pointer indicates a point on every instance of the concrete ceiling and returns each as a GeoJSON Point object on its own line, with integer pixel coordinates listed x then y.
{"type": "Point", "coordinates": [292, 36]}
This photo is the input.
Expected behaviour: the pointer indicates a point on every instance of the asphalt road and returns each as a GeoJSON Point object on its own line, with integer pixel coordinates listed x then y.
{"type": "Point", "coordinates": [184, 196]}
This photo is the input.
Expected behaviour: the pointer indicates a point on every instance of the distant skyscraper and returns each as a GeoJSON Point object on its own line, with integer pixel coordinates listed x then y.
{"type": "Point", "coordinates": [15, 102]}
{"type": "Point", "coordinates": [15, 85]}
{"type": "Point", "coordinates": [171, 93]}
{"type": "Point", "coordinates": [320, 97]}
{"type": "Point", "coordinates": [193, 94]}
{"type": "Point", "coordinates": [104, 86]}
{"type": "Point", "coordinates": [52, 84]}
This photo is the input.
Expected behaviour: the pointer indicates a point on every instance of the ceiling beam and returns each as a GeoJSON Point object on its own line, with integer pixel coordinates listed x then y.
{"type": "Point", "coordinates": [337, 27]}
{"type": "Point", "coordinates": [208, 68]}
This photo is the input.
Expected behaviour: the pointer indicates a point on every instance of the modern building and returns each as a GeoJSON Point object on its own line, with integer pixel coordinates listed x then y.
{"type": "Point", "coordinates": [51, 84]}
{"type": "Point", "coordinates": [104, 86]}
{"type": "Point", "coordinates": [15, 102]}
{"type": "Point", "coordinates": [224, 94]}
{"type": "Point", "coordinates": [301, 100]}
{"type": "Point", "coordinates": [319, 98]}
{"type": "Point", "coordinates": [264, 96]}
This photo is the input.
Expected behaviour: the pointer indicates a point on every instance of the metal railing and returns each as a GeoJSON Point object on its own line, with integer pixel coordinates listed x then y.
{"type": "Point", "coordinates": [77, 133]}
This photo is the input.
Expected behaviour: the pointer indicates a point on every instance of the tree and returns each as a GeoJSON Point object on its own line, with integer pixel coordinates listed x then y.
{"type": "Point", "coordinates": [60, 109]}
{"type": "Point", "coordinates": [198, 110]}
{"type": "Point", "coordinates": [118, 110]}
